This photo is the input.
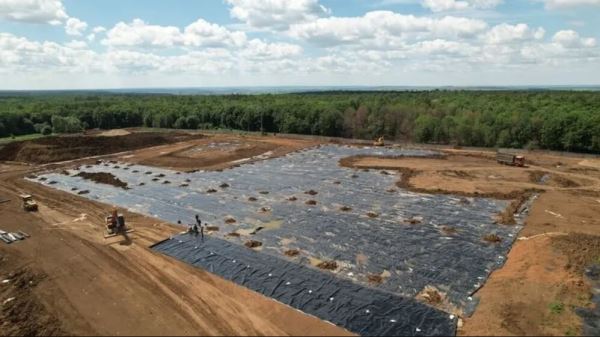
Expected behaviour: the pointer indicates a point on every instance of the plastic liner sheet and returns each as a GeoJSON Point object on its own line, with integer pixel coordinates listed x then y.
{"type": "Point", "coordinates": [384, 230]}
{"type": "Point", "coordinates": [359, 309]}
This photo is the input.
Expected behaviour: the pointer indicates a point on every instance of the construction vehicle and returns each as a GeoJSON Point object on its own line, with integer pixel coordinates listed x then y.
{"type": "Point", "coordinates": [115, 225]}
{"type": "Point", "coordinates": [510, 159]}
{"type": "Point", "coordinates": [379, 142]}
{"type": "Point", "coordinates": [29, 205]}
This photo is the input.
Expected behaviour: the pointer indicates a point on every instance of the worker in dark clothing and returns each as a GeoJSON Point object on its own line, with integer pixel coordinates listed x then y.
{"type": "Point", "coordinates": [199, 225]}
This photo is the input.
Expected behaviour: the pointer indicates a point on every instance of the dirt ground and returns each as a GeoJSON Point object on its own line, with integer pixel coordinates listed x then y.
{"type": "Point", "coordinates": [535, 293]}
{"type": "Point", "coordinates": [84, 284]}
{"type": "Point", "coordinates": [217, 152]}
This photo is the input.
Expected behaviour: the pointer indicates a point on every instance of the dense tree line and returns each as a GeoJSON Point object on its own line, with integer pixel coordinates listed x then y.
{"type": "Point", "coordinates": [556, 120]}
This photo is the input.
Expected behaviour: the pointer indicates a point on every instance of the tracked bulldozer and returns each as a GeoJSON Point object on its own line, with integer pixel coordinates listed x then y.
{"type": "Point", "coordinates": [115, 225]}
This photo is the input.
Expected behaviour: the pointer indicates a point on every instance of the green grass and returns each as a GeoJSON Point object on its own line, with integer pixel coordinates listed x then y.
{"type": "Point", "coordinates": [7, 140]}
{"type": "Point", "coordinates": [557, 308]}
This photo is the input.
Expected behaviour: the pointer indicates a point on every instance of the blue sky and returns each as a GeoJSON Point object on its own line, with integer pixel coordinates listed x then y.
{"type": "Point", "coordinates": [73, 44]}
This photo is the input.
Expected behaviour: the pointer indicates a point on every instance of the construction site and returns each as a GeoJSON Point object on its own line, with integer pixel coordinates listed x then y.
{"type": "Point", "coordinates": [134, 232]}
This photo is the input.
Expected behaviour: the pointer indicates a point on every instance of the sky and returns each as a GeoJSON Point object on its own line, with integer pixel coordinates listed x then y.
{"type": "Point", "coordinates": [91, 44]}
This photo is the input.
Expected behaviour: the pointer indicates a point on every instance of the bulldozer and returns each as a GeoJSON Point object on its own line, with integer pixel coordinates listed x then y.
{"type": "Point", "coordinates": [379, 142]}
{"type": "Point", "coordinates": [115, 225]}
{"type": "Point", "coordinates": [29, 205]}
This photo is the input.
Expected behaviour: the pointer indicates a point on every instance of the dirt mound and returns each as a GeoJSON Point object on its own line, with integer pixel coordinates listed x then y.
{"type": "Point", "coordinates": [375, 278]}
{"type": "Point", "coordinates": [253, 244]}
{"type": "Point", "coordinates": [492, 238]}
{"type": "Point", "coordinates": [56, 149]}
{"type": "Point", "coordinates": [230, 221]}
{"type": "Point", "coordinates": [292, 252]}
{"type": "Point", "coordinates": [103, 178]}
{"type": "Point", "coordinates": [582, 250]}
{"type": "Point", "coordinates": [311, 202]}
{"type": "Point", "coordinates": [22, 313]}
{"type": "Point", "coordinates": [311, 192]}
{"type": "Point", "coordinates": [328, 265]}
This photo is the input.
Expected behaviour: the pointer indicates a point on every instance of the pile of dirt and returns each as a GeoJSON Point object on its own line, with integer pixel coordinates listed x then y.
{"type": "Point", "coordinates": [22, 313]}
{"type": "Point", "coordinates": [62, 148]}
{"type": "Point", "coordinates": [492, 238]}
{"type": "Point", "coordinates": [507, 217]}
{"type": "Point", "coordinates": [447, 230]}
{"type": "Point", "coordinates": [311, 192]}
{"type": "Point", "coordinates": [230, 221]}
{"type": "Point", "coordinates": [103, 178]}
{"type": "Point", "coordinates": [234, 235]}
{"type": "Point", "coordinates": [582, 250]}
{"type": "Point", "coordinates": [292, 198]}
{"type": "Point", "coordinates": [211, 190]}
{"type": "Point", "coordinates": [253, 244]}
{"type": "Point", "coordinates": [375, 278]}
{"type": "Point", "coordinates": [292, 252]}
{"type": "Point", "coordinates": [212, 228]}
{"type": "Point", "coordinates": [252, 199]}
{"type": "Point", "coordinates": [345, 209]}
{"type": "Point", "coordinates": [432, 297]}
{"type": "Point", "coordinates": [311, 202]}
{"type": "Point", "coordinates": [224, 185]}
{"type": "Point", "coordinates": [372, 214]}
{"type": "Point", "coordinates": [328, 265]}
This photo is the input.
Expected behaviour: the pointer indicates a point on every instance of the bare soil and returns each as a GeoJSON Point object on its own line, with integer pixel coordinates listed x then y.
{"type": "Point", "coordinates": [57, 149]}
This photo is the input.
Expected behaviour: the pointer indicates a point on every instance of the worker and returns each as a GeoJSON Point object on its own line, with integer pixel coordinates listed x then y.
{"type": "Point", "coordinates": [199, 226]}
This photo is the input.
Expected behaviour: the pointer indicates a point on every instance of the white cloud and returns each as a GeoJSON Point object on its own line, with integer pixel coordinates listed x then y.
{"type": "Point", "coordinates": [563, 4]}
{"type": "Point", "coordinates": [384, 28]}
{"type": "Point", "coordinates": [275, 14]}
{"type": "Point", "coordinates": [138, 33]}
{"type": "Point", "coordinates": [98, 29]}
{"type": "Point", "coordinates": [571, 39]}
{"type": "Point", "coordinates": [456, 5]}
{"type": "Point", "coordinates": [200, 33]}
{"type": "Point", "coordinates": [20, 55]}
{"type": "Point", "coordinates": [505, 33]}
{"type": "Point", "coordinates": [75, 27]}
{"type": "Point", "coordinates": [260, 50]}
{"type": "Point", "coordinates": [203, 33]}
{"type": "Point", "coordinates": [34, 11]}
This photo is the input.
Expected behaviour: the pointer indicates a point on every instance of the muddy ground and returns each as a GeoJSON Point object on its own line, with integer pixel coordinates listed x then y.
{"type": "Point", "coordinates": [84, 284]}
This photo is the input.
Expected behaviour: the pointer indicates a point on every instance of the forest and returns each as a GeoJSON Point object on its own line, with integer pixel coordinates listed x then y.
{"type": "Point", "coordinates": [554, 120]}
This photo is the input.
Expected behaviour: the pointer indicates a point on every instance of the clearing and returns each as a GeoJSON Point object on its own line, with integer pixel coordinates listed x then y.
{"type": "Point", "coordinates": [262, 189]}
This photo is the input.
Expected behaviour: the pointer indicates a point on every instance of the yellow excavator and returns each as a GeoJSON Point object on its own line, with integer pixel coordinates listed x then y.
{"type": "Point", "coordinates": [379, 142]}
